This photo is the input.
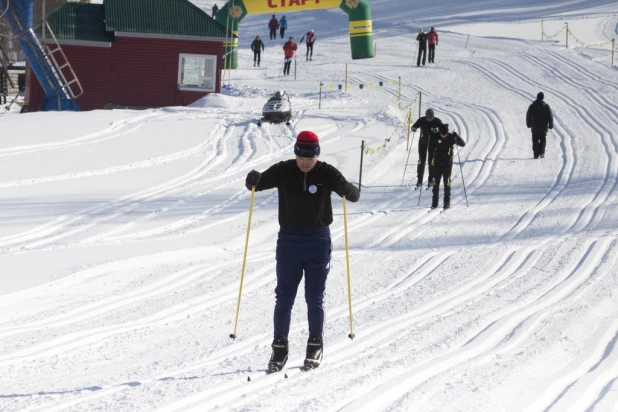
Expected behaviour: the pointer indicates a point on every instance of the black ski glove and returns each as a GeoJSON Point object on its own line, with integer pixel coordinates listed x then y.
{"type": "Point", "coordinates": [252, 180]}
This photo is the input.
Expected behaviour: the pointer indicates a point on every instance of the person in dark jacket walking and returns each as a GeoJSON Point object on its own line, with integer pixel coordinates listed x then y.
{"type": "Point", "coordinates": [289, 49]}
{"type": "Point", "coordinates": [310, 35]}
{"type": "Point", "coordinates": [257, 47]}
{"type": "Point", "coordinates": [432, 37]}
{"type": "Point", "coordinates": [215, 9]}
{"type": "Point", "coordinates": [429, 126]}
{"type": "Point", "coordinates": [273, 25]}
{"type": "Point", "coordinates": [538, 118]}
{"type": "Point", "coordinates": [442, 160]}
{"type": "Point", "coordinates": [283, 26]}
{"type": "Point", "coordinates": [422, 46]}
{"type": "Point", "coordinates": [305, 185]}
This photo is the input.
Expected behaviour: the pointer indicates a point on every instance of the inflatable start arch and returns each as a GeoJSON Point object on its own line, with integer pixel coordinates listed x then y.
{"type": "Point", "coordinates": [359, 14]}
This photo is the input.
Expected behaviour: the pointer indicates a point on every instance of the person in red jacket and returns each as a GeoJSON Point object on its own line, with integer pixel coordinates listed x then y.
{"type": "Point", "coordinates": [432, 38]}
{"type": "Point", "coordinates": [289, 48]}
{"type": "Point", "coordinates": [310, 40]}
{"type": "Point", "coordinates": [273, 25]}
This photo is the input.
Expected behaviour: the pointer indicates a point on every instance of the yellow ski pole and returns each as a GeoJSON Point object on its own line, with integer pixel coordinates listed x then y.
{"type": "Point", "coordinates": [244, 261]}
{"type": "Point", "coordinates": [347, 260]}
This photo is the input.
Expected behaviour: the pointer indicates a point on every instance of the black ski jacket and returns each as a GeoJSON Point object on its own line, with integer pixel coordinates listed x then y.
{"type": "Point", "coordinates": [428, 129]}
{"type": "Point", "coordinates": [257, 46]}
{"type": "Point", "coordinates": [443, 147]}
{"type": "Point", "coordinates": [304, 198]}
{"type": "Point", "coordinates": [422, 39]}
{"type": "Point", "coordinates": [539, 117]}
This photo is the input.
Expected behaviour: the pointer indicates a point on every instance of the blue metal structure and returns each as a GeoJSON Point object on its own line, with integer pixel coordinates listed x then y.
{"type": "Point", "coordinates": [19, 15]}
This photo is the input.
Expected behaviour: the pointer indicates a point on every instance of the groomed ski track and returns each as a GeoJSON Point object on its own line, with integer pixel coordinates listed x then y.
{"type": "Point", "coordinates": [508, 304]}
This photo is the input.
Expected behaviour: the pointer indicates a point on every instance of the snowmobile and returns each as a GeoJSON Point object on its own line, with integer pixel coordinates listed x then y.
{"type": "Point", "coordinates": [277, 109]}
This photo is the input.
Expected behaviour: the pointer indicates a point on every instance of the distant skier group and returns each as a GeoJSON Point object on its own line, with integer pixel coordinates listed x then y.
{"type": "Point", "coordinates": [422, 39]}
{"type": "Point", "coordinates": [290, 47]}
{"type": "Point", "coordinates": [437, 142]}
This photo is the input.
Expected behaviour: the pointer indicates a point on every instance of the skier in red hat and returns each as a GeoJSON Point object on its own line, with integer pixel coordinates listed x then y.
{"type": "Point", "coordinates": [305, 185]}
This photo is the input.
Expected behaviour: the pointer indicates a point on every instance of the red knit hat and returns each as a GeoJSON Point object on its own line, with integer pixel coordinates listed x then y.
{"type": "Point", "coordinates": [307, 144]}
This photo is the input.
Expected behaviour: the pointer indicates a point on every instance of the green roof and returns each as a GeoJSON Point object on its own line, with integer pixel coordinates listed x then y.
{"type": "Point", "coordinates": [167, 17]}
{"type": "Point", "coordinates": [98, 22]}
{"type": "Point", "coordinates": [75, 21]}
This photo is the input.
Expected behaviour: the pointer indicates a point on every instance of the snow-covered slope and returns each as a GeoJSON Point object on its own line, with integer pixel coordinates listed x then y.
{"type": "Point", "coordinates": [122, 232]}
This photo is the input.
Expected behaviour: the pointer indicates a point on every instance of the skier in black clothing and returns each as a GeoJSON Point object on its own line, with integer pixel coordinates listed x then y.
{"type": "Point", "coordinates": [422, 46]}
{"type": "Point", "coordinates": [538, 118]}
{"type": "Point", "coordinates": [215, 9]}
{"type": "Point", "coordinates": [429, 126]}
{"type": "Point", "coordinates": [442, 161]}
{"type": "Point", "coordinates": [305, 213]}
{"type": "Point", "coordinates": [258, 47]}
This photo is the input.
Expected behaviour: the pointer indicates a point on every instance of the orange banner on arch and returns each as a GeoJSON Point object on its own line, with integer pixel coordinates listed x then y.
{"type": "Point", "coordinates": [288, 6]}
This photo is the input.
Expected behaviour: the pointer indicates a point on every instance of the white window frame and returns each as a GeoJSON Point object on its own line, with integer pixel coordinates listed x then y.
{"type": "Point", "coordinates": [201, 77]}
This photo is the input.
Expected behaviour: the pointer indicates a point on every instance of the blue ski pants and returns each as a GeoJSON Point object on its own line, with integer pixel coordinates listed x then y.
{"type": "Point", "coordinates": [308, 252]}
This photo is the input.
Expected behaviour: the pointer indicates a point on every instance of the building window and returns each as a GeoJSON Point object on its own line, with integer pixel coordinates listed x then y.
{"type": "Point", "coordinates": [197, 72]}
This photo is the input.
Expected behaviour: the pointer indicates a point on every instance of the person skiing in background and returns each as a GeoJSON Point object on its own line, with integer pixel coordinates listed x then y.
{"type": "Point", "coordinates": [310, 35]}
{"type": "Point", "coordinates": [305, 185]}
{"type": "Point", "coordinates": [429, 126]}
{"type": "Point", "coordinates": [257, 47]}
{"type": "Point", "coordinates": [215, 9]}
{"type": "Point", "coordinates": [273, 25]}
{"type": "Point", "coordinates": [442, 161]}
{"type": "Point", "coordinates": [283, 26]}
{"type": "Point", "coordinates": [432, 38]}
{"type": "Point", "coordinates": [422, 46]}
{"type": "Point", "coordinates": [539, 118]}
{"type": "Point", "coordinates": [289, 49]}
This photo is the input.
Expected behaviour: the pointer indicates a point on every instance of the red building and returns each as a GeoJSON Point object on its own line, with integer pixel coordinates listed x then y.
{"type": "Point", "coordinates": [137, 53]}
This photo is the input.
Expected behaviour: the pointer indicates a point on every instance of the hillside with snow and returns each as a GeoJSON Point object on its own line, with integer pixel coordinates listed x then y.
{"type": "Point", "coordinates": [122, 232]}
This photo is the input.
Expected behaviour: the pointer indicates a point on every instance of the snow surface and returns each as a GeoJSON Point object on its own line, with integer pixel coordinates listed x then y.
{"type": "Point", "coordinates": [122, 232]}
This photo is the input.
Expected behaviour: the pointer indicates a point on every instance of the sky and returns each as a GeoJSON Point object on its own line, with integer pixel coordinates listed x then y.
{"type": "Point", "coordinates": [122, 232]}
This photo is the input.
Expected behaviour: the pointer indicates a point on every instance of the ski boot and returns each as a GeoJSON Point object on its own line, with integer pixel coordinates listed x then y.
{"type": "Point", "coordinates": [315, 351]}
{"type": "Point", "coordinates": [279, 356]}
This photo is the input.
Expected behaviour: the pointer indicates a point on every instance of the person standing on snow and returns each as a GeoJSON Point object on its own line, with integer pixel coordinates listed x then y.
{"type": "Point", "coordinates": [310, 40]}
{"type": "Point", "coordinates": [538, 118]}
{"type": "Point", "coordinates": [289, 49]}
{"type": "Point", "coordinates": [442, 160]}
{"type": "Point", "coordinates": [305, 186]}
{"type": "Point", "coordinates": [215, 9]}
{"type": "Point", "coordinates": [273, 25]}
{"type": "Point", "coordinates": [429, 126]}
{"type": "Point", "coordinates": [422, 46]}
{"type": "Point", "coordinates": [257, 47]}
{"type": "Point", "coordinates": [432, 38]}
{"type": "Point", "coordinates": [283, 26]}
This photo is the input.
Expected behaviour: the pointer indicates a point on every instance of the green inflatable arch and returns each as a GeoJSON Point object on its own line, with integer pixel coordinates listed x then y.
{"type": "Point", "coordinates": [359, 14]}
